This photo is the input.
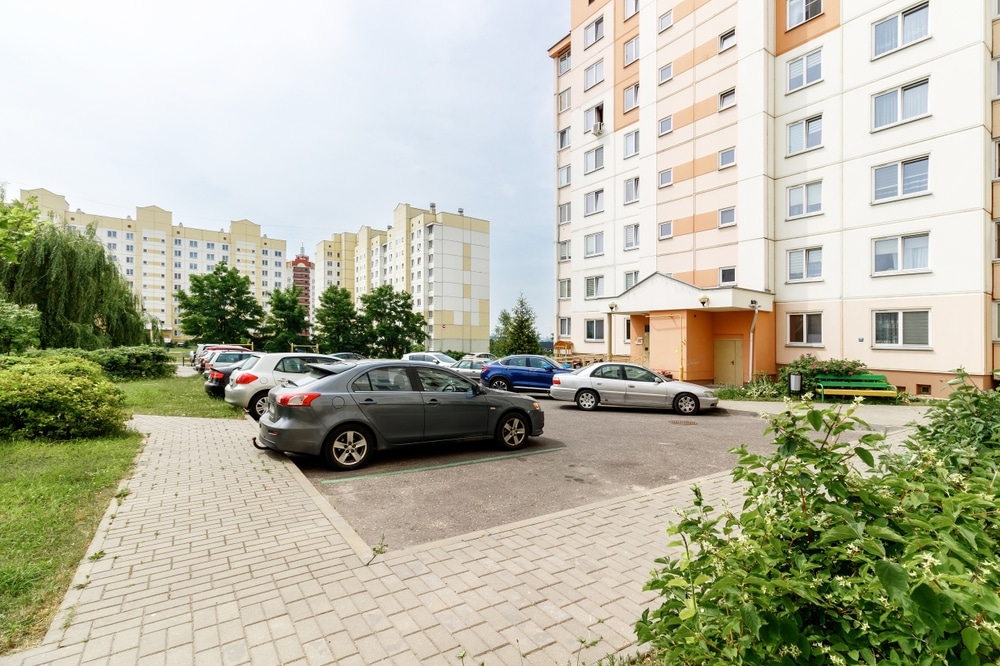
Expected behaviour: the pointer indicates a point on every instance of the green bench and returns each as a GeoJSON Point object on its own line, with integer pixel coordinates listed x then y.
{"type": "Point", "coordinates": [853, 385]}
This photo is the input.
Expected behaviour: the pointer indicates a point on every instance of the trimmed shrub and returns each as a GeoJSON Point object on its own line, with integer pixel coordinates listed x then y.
{"type": "Point", "coordinates": [809, 366]}
{"type": "Point", "coordinates": [120, 363]}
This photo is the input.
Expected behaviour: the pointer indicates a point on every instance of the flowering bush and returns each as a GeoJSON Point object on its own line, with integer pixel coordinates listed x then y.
{"type": "Point", "coordinates": [809, 366]}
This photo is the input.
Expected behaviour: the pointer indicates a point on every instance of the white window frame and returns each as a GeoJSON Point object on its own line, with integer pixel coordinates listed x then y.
{"type": "Point", "coordinates": [996, 156]}
{"type": "Point", "coordinates": [803, 126]}
{"type": "Point", "coordinates": [563, 138]}
{"type": "Point", "coordinates": [565, 289]}
{"type": "Point", "coordinates": [631, 236]}
{"type": "Point", "coordinates": [666, 20]}
{"type": "Point", "coordinates": [666, 178]}
{"type": "Point", "coordinates": [631, 8]}
{"type": "Point", "coordinates": [564, 63]}
{"type": "Point", "coordinates": [631, 98]}
{"type": "Point", "coordinates": [593, 160]}
{"type": "Point", "coordinates": [727, 40]}
{"type": "Point", "coordinates": [727, 157]}
{"type": "Point", "coordinates": [722, 271]}
{"type": "Point", "coordinates": [593, 244]}
{"type": "Point", "coordinates": [595, 286]}
{"type": "Point", "coordinates": [565, 250]}
{"type": "Point", "coordinates": [807, 331]}
{"type": "Point", "coordinates": [593, 33]}
{"type": "Point", "coordinates": [900, 329]}
{"type": "Point", "coordinates": [808, 191]}
{"type": "Point", "coordinates": [631, 51]}
{"type": "Point", "coordinates": [900, 167]}
{"type": "Point", "coordinates": [667, 121]}
{"type": "Point", "coordinates": [631, 147]}
{"type": "Point", "coordinates": [590, 117]}
{"type": "Point", "coordinates": [723, 212]}
{"type": "Point", "coordinates": [804, 60]}
{"type": "Point", "coordinates": [631, 193]}
{"type": "Point", "coordinates": [803, 6]}
{"type": "Point", "coordinates": [631, 279]}
{"type": "Point", "coordinates": [593, 202]}
{"type": "Point", "coordinates": [564, 98]}
{"type": "Point", "coordinates": [727, 99]}
{"type": "Point", "coordinates": [666, 72]}
{"type": "Point", "coordinates": [899, 18]}
{"type": "Point", "coordinates": [900, 106]}
{"type": "Point", "coordinates": [593, 75]}
{"type": "Point", "coordinates": [594, 330]}
{"type": "Point", "coordinates": [565, 211]}
{"type": "Point", "coordinates": [900, 255]}
{"type": "Point", "coordinates": [666, 229]}
{"type": "Point", "coordinates": [565, 327]}
{"type": "Point", "coordinates": [806, 253]}
{"type": "Point", "coordinates": [565, 176]}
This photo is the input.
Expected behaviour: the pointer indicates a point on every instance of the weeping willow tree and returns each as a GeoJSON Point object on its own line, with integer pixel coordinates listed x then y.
{"type": "Point", "coordinates": [83, 299]}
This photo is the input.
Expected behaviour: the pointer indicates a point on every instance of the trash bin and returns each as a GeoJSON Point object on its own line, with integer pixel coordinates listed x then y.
{"type": "Point", "coordinates": [795, 383]}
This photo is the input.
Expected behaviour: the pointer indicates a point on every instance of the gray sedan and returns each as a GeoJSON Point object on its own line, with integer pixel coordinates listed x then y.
{"type": "Point", "coordinates": [345, 412]}
{"type": "Point", "coordinates": [470, 367]}
{"type": "Point", "coordinates": [629, 385]}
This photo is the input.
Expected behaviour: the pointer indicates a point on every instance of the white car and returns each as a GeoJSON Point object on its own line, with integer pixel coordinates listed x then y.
{"type": "Point", "coordinates": [629, 385]}
{"type": "Point", "coordinates": [482, 357]}
{"type": "Point", "coordinates": [249, 384]}
{"type": "Point", "coordinates": [437, 358]}
{"type": "Point", "coordinates": [470, 367]}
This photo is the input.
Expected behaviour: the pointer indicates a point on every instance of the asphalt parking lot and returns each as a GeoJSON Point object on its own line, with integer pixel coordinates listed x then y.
{"type": "Point", "coordinates": [420, 494]}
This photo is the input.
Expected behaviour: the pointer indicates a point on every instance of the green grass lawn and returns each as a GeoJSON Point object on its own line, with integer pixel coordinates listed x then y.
{"type": "Point", "coordinates": [176, 396]}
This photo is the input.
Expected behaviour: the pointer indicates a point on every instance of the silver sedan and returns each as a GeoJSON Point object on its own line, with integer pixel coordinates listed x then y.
{"type": "Point", "coordinates": [470, 367]}
{"type": "Point", "coordinates": [629, 385]}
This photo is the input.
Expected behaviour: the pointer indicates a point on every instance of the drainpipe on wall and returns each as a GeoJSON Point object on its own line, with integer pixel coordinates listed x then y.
{"type": "Point", "coordinates": [753, 325]}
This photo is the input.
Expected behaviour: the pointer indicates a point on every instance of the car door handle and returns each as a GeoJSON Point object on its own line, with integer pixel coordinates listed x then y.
{"type": "Point", "coordinates": [433, 401]}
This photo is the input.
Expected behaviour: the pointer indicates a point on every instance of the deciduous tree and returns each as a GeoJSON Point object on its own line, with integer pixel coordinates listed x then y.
{"type": "Point", "coordinates": [390, 325]}
{"type": "Point", "coordinates": [220, 307]}
{"type": "Point", "coordinates": [286, 320]}
{"type": "Point", "coordinates": [18, 220]}
{"type": "Point", "coordinates": [18, 327]}
{"type": "Point", "coordinates": [336, 325]}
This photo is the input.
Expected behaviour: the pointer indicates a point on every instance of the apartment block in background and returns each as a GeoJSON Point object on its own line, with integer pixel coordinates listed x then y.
{"type": "Point", "coordinates": [741, 182]}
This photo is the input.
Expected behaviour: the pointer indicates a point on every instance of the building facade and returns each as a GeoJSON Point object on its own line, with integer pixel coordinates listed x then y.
{"type": "Point", "coordinates": [741, 182]}
{"type": "Point", "coordinates": [302, 272]}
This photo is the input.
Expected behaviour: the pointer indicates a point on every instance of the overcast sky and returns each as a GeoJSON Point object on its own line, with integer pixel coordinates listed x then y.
{"type": "Point", "coordinates": [306, 118]}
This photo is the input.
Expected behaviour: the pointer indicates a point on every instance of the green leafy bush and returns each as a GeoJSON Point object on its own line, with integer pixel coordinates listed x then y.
{"type": "Point", "coordinates": [828, 565]}
{"type": "Point", "coordinates": [809, 366]}
{"type": "Point", "coordinates": [121, 363]}
{"type": "Point", "coordinates": [58, 397]}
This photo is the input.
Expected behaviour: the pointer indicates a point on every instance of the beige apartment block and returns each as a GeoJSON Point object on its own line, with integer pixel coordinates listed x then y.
{"type": "Point", "coordinates": [741, 182]}
{"type": "Point", "coordinates": [158, 257]}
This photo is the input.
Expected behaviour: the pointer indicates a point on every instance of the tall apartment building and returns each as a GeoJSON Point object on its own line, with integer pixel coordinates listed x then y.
{"type": "Point", "coordinates": [442, 259]}
{"type": "Point", "coordinates": [302, 276]}
{"type": "Point", "coordinates": [741, 182]}
{"type": "Point", "coordinates": [158, 257]}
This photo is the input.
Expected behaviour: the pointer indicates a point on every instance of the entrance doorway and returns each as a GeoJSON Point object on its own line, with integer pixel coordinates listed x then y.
{"type": "Point", "coordinates": [729, 362]}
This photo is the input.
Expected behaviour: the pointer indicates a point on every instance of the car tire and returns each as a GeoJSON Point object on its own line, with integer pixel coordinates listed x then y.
{"type": "Point", "coordinates": [348, 447]}
{"type": "Point", "coordinates": [587, 400]}
{"type": "Point", "coordinates": [512, 431]}
{"type": "Point", "coordinates": [686, 404]}
{"type": "Point", "coordinates": [500, 384]}
{"type": "Point", "coordinates": [258, 405]}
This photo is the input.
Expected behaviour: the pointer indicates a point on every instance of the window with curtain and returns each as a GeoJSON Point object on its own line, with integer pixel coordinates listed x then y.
{"type": "Point", "coordinates": [805, 199]}
{"type": "Point", "coordinates": [800, 11]}
{"type": "Point", "coordinates": [565, 290]}
{"type": "Point", "coordinates": [631, 278]}
{"type": "Point", "coordinates": [805, 264]}
{"type": "Point", "coordinates": [593, 159]}
{"type": "Point", "coordinates": [902, 328]}
{"type": "Point", "coordinates": [564, 213]}
{"type": "Point", "coordinates": [901, 104]}
{"type": "Point", "coordinates": [564, 250]}
{"type": "Point", "coordinates": [805, 135]}
{"type": "Point", "coordinates": [565, 328]}
{"type": "Point", "coordinates": [595, 286]}
{"type": "Point", "coordinates": [631, 51]}
{"type": "Point", "coordinates": [593, 75]}
{"type": "Point", "coordinates": [631, 190]}
{"type": "Point", "coordinates": [631, 97]}
{"type": "Point", "coordinates": [901, 179]}
{"type": "Point", "coordinates": [593, 202]}
{"type": "Point", "coordinates": [902, 253]}
{"type": "Point", "coordinates": [631, 236]}
{"type": "Point", "coordinates": [900, 30]}
{"type": "Point", "coordinates": [593, 32]}
{"type": "Point", "coordinates": [805, 70]}
{"type": "Point", "coordinates": [593, 244]}
{"type": "Point", "coordinates": [632, 143]}
{"type": "Point", "coordinates": [805, 328]}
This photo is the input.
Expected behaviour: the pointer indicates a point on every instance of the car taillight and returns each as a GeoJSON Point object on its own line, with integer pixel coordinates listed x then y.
{"type": "Point", "coordinates": [297, 399]}
{"type": "Point", "coordinates": [246, 378]}
{"type": "Point", "coordinates": [215, 374]}
{"type": "Point", "coordinates": [555, 379]}
{"type": "Point", "coordinates": [483, 369]}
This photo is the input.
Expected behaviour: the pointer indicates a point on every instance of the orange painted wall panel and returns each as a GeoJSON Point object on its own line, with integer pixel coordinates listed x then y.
{"type": "Point", "coordinates": [786, 40]}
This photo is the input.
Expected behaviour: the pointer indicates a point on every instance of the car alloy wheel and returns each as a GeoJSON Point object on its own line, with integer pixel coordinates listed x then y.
{"type": "Point", "coordinates": [258, 406]}
{"type": "Point", "coordinates": [499, 384]}
{"type": "Point", "coordinates": [348, 447]}
{"type": "Point", "coordinates": [512, 431]}
{"type": "Point", "coordinates": [686, 404]}
{"type": "Point", "coordinates": [586, 400]}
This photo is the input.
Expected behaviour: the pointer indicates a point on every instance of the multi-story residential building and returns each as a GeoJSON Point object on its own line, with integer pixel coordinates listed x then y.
{"type": "Point", "coordinates": [740, 182]}
{"type": "Point", "coordinates": [302, 276]}
{"type": "Point", "coordinates": [158, 257]}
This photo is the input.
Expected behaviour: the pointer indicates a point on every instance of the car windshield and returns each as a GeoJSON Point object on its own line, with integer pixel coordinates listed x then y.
{"type": "Point", "coordinates": [444, 358]}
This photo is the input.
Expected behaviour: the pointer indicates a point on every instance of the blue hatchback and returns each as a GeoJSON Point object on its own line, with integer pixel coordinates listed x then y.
{"type": "Point", "coordinates": [521, 372]}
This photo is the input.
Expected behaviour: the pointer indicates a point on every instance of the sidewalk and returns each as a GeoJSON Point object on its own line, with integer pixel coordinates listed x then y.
{"type": "Point", "coordinates": [222, 554]}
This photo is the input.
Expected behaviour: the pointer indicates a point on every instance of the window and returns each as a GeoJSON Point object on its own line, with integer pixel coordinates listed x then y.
{"type": "Point", "coordinates": [727, 40]}
{"type": "Point", "coordinates": [631, 97]}
{"type": "Point", "coordinates": [593, 202]}
{"type": "Point", "coordinates": [900, 105]}
{"type": "Point", "coordinates": [800, 11]}
{"type": "Point", "coordinates": [593, 32]}
{"type": "Point", "coordinates": [666, 20]}
{"type": "Point", "coordinates": [727, 99]}
{"type": "Point", "coordinates": [193, 243]}
{"type": "Point", "coordinates": [192, 255]}
{"type": "Point", "coordinates": [631, 190]}
{"type": "Point", "coordinates": [805, 135]}
{"type": "Point", "coordinates": [565, 329]}
{"type": "Point", "coordinates": [129, 235]}
{"type": "Point", "coordinates": [727, 217]}
{"type": "Point", "coordinates": [595, 330]}
{"type": "Point", "coordinates": [805, 71]}
{"type": "Point", "coordinates": [565, 291]}
{"type": "Point", "coordinates": [595, 286]}
{"type": "Point", "coordinates": [593, 159]}
{"type": "Point", "coordinates": [913, 174]}
{"type": "Point", "coordinates": [592, 116]}
{"type": "Point", "coordinates": [901, 253]}
{"type": "Point", "coordinates": [727, 275]}
{"type": "Point", "coordinates": [593, 244]}
{"type": "Point", "coordinates": [593, 75]}
{"type": "Point", "coordinates": [112, 234]}
{"type": "Point", "coordinates": [631, 8]}
{"type": "Point", "coordinates": [564, 176]}
{"type": "Point", "coordinates": [727, 158]}
{"type": "Point", "coordinates": [112, 246]}
{"type": "Point", "coordinates": [631, 51]}
{"type": "Point", "coordinates": [562, 138]}
{"type": "Point", "coordinates": [631, 278]}
{"type": "Point", "coordinates": [900, 30]}
{"type": "Point", "coordinates": [666, 125]}
{"type": "Point", "coordinates": [902, 328]}
{"type": "Point", "coordinates": [667, 229]}
{"type": "Point", "coordinates": [564, 100]}
{"type": "Point", "coordinates": [564, 213]}
{"type": "Point", "coordinates": [805, 329]}
{"type": "Point", "coordinates": [564, 250]}
{"type": "Point", "coordinates": [632, 144]}
{"type": "Point", "coordinates": [666, 177]}
{"type": "Point", "coordinates": [564, 63]}
{"type": "Point", "coordinates": [667, 72]}
{"type": "Point", "coordinates": [631, 236]}
{"type": "Point", "coordinates": [805, 199]}
{"type": "Point", "coordinates": [805, 264]}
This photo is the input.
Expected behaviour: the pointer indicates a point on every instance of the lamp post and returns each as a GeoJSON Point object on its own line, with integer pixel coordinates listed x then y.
{"type": "Point", "coordinates": [611, 310]}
